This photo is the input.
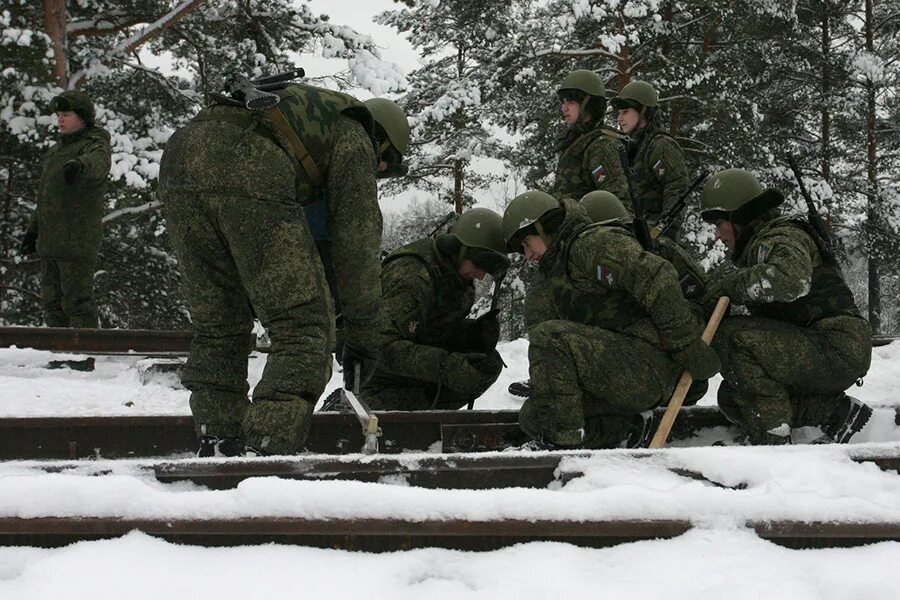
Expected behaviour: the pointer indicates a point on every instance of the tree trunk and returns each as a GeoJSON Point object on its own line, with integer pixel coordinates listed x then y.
{"type": "Point", "coordinates": [623, 65]}
{"type": "Point", "coordinates": [458, 176]}
{"type": "Point", "coordinates": [55, 26]}
{"type": "Point", "coordinates": [872, 209]}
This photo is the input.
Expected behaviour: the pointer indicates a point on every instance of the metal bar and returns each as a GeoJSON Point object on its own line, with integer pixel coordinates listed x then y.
{"type": "Point", "coordinates": [100, 341]}
{"type": "Point", "coordinates": [396, 534]}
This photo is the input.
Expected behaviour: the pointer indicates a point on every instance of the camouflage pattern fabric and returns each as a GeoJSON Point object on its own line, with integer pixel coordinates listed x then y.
{"type": "Point", "coordinates": [538, 304]}
{"type": "Point", "coordinates": [427, 334]}
{"type": "Point", "coordinates": [618, 307]}
{"type": "Point", "coordinates": [69, 228]}
{"type": "Point", "coordinates": [788, 371]}
{"type": "Point", "coordinates": [589, 160]}
{"type": "Point", "coordinates": [657, 172]}
{"type": "Point", "coordinates": [230, 199]}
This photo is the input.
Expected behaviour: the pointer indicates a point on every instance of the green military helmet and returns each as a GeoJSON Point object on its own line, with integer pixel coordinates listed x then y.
{"type": "Point", "coordinates": [636, 94]}
{"type": "Point", "coordinates": [736, 195]}
{"type": "Point", "coordinates": [76, 102]}
{"type": "Point", "coordinates": [524, 211]}
{"type": "Point", "coordinates": [480, 231]}
{"type": "Point", "coordinates": [605, 208]}
{"type": "Point", "coordinates": [584, 81]}
{"type": "Point", "coordinates": [392, 119]}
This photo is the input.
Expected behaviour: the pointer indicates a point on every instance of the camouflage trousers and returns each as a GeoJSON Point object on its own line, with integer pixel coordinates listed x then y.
{"type": "Point", "coordinates": [776, 373]}
{"type": "Point", "coordinates": [233, 252]}
{"type": "Point", "coordinates": [405, 393]}
{"type": "Point", "coordinates": [67, 292]}
{"type": "Point", "coordinates": [590, 379]}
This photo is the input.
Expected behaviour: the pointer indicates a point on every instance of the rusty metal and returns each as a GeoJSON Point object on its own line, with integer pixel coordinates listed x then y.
{"type": "Point", "coordinates": [65, 339]}
{"type": "Point", "coordinates": [397, 534]}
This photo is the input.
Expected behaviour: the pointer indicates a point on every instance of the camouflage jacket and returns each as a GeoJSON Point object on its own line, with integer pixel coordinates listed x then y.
{"type": "Point", "coordinates": [590, 160]}
{"type": "Point", "coordinates": [425, 302]}
{"type": "Point", "coordinates": [657, 172]}
{"type": "Point", "coordinates": [782, 275]}
{"type": "Point", "coordinates": [601, 276]}
{"type": "Point", "coordinates": [68, 217]}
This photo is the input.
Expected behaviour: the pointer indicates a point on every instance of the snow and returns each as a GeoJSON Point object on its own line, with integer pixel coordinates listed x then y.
{"type": "Point", "coordinates": [718, 558]}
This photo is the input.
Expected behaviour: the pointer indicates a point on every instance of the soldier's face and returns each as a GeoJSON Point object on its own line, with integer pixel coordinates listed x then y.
{"type": "Point", "coordinates": [570, 111]}
{"type": "Point", "coordinates": [725, 231]}
{"type": "Point", "coordinates": [534, 247]}
{"type": "Point", "coordinates": [629, 120]}
{"type": "Point", "coordinates": [469, 270]}
{"type": "Point", "coordinates": [68, 121]}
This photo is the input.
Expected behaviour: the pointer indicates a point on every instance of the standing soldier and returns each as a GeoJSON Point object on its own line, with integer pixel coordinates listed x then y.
{"type": "Point", "coordinates": [434, 357]}
{"type": "Point", "coordinates": [655, 160]}
{"type": "Point", "coordinates": [589, 152]}
{"type": "Point", "coordinates": [391, 137]}
{"type": "Point", "coordinates": [66, 230]}
{"type": "Point", "coordinates": [806, 342]}
{"type": "Point", "coordinates": [621, 335]}
{"type": "Point", "coordinates": [234, 182]}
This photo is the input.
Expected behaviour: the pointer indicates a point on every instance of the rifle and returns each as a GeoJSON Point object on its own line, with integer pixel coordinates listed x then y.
{"type": "Point", "coordinates": [812, 215]}
{"type": "Point", "coordinates": [639, 223]}
{"type": "Point", "coordinates": [443, 222]}
{"type": "Point", "coordinates": [666, 221]}
{"type": "Point", "coordinates": [254, 93]}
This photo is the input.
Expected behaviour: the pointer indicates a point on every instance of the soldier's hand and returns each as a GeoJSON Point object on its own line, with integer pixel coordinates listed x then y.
{"type": "Point", "coordinates": [472, 372]}
{"type": "Point", "coordinates": [71, 170]}
{"type": "Point", "coordinates": [714, 290]}
{"type": "Point", "coordinates": [486, 330]}
{"type": "Point", "coordinates": [29, 243]}
{"type": "Point", "coordinates": [698, 359]}
{"type": "Point", "coordinates": [352, 356]}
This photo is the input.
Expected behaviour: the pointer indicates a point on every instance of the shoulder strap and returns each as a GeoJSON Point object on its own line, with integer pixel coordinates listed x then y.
{"type": "Point", "coordinates": [301, 154]}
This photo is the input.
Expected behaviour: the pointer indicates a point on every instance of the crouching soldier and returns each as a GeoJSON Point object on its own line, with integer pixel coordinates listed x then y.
{"type": "Point", "coordinates": [434, 357]}
{"type": "Point", "coordinates": [789, 363]}
{"type": "Point", "coordinates": [623, 332]}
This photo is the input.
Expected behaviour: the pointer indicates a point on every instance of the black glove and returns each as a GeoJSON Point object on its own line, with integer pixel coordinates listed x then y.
{"type": "Point", "coordinates": [715, 290]}
{"type": "Point", "coordinates": [699, 359]}
{"type": "Point", "coordinates": [29, 243]}
{"type": "Point", "coordinates": [352, 356]}
{"type": "Point", "coordinates": [71, 170]}
{"type": "Point", "coordinates": [485, 331]}
{"type": "Point", "coordinates": [472, 372]}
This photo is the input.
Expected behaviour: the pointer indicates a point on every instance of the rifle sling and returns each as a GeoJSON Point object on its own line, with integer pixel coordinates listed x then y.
{"type": "Point", "coordinates": [300, 153]}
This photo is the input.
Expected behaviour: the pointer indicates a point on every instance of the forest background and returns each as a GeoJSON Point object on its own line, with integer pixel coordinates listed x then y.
{"type": "Point", "coordinates": [742, 84]}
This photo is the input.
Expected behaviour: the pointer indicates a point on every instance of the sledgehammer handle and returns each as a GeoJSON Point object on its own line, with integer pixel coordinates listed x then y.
{"type": "Point", "coordinates": [684, 384]}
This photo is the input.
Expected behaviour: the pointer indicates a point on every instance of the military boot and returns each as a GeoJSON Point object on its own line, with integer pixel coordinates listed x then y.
{"type": "Point", "coordinates": [211, 446]}
{"type": "Point", "coordinates": [645, 425]}
{"type": "Point", "coordinates": [520, 388]}
{"type": "Point", "coordinates": [848, 418]}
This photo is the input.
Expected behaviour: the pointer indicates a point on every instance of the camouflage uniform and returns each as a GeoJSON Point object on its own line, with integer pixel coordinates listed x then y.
{"type": "Point", "coordinates": [234, 196]}
{"type": "Point", "coordinates": [68, 219]}
{"type": "Point", "coordinates": [615, 348]}
{"type": "Point", "coordinates": [657, 172]}
{"type": "Point", "coordinates": [806, 341]}
{"type": "Point", "coordinates": [589, 160]}
{"type": "Point", "coordinates": [423, 363]}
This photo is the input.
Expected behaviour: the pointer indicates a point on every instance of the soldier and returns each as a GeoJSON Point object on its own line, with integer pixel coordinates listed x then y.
{"type": "Point", "coordinates": [434, 357]}
{"type": "Point", "coordinates": [789, 363]}
{"type": "Point", "coordinates": [589, 152]}
{"type": "Point", "coordinates": [622, 333]}
{"type": "Point", "coordinates": [655, 160]}
{"type": "Point", "coordinates": [234, 182]}
{"type": "Point", "coordinates": [66, 229]}
{"type": "Point", "coordinates": [391, 135]}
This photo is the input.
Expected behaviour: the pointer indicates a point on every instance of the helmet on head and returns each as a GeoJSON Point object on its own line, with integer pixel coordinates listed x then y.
{"type": "Point", "coordinates": [392, 119]}
{"type": "Point", "coordinates": [522, 213]}
{"type": "Point", "coordinates": [637, 95]}
{"type": "Point", "coordinates": [583, 81]}
{"type": "Point", "coordinates": [76, 102]}
{"type": "Point", "coordinates": [736, 195]}
{"type": "Point", "coordinates": [605, 208]}
{"type": "Point", "coordinates": [480, 231]}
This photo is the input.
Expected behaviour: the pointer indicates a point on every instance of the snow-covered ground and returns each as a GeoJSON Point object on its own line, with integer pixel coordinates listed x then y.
{"type": "Point", "coordinates": [719, 558]}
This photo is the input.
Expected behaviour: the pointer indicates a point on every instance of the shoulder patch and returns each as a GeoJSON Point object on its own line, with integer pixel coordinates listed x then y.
{"type": "Point", "coordinates": [411, 327]}
{"type": "Point", "coordinates": [690, 286]}
{"type": "Point", "coordinates": [762, 253]}
{"type": "Point", "coordinates": [599, 173]}
{"type": "Point", "coordinates": [604, 275]}
{"type": "Point", "coordinates": [659, 168]}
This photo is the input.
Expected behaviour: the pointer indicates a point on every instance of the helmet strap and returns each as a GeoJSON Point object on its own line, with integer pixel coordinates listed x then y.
{"type": "Point", "coordinates": [582, 108]}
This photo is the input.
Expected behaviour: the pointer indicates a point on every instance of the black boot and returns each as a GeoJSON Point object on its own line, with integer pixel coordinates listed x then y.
{"type": "Point", "coordinates": [520, 388]}
{"type": "Point", "coordinates": [850, 416]}
{"type": "Point", "coordinates": [645, 425]}
{"type": "Point", "coordinates": [211, 446]}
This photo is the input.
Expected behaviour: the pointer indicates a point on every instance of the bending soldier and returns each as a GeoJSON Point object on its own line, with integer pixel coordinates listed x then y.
{"type": "Point", "coordinates": [234, 182]}
{"type": "Point", "coordinates": [434, 357]}
{"type": "Point", "coordinates": [67, 228]}
{"type": "Point", "coordinates": [622, 333]}
{"type": "Point", "coordinates": [589, 152]}
{"type": "Point", "coordinates": [806, 342]}
{"type": "Point", "coordinates": [655, 160]}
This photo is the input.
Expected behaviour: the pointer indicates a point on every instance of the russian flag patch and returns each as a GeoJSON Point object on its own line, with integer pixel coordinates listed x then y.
{"type": "Point", "coordinates": [599, 173]}
{"type": "Point", "coordinates": [659, 168]}
{"type": "Point", "coordinates": [604, 275]}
